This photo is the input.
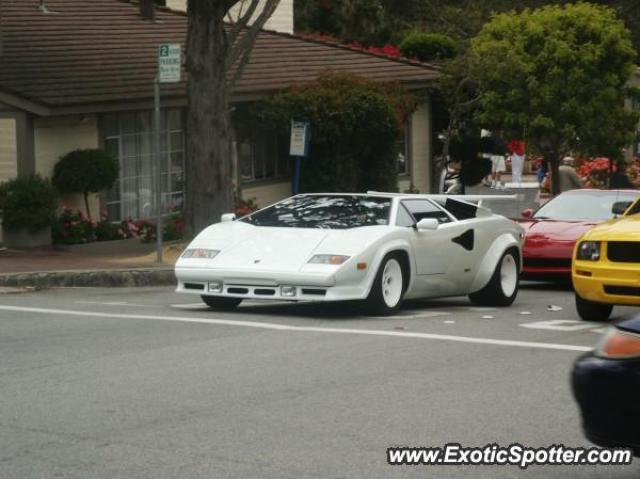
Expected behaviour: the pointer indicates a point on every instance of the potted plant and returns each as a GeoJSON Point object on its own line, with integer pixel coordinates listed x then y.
{"type": "Point", "coordinates": [27, 209]}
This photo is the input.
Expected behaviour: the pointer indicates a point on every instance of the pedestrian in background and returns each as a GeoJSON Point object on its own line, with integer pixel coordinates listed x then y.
{"type": "Point", "coordinates": [569, 179]}
{"type": "Point", "coordinates": [517, 150]}
{"type": "Point", "coordinates": [619, 179]}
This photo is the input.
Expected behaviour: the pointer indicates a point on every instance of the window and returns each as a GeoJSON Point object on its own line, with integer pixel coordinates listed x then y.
{"type": "Point", "coordinates": [404, 218]}
{"type": "Point", "coordinates": [129, 137]}
{"type": "Point", "coordinates": [261, 154]}
{"type": "Point", "coordinates": [402, 153]}
{"type": "Point", "coordinates": [324, 212]}
{"type": "Point", "coordinates": [421, 209]}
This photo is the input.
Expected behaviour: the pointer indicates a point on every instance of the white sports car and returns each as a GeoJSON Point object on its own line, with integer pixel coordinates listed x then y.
{"type": "Point", "coordinates": [377, 247]}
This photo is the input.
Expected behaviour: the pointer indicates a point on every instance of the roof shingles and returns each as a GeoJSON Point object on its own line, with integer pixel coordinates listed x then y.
{"type": "Point", "coordinates": [102, 51]}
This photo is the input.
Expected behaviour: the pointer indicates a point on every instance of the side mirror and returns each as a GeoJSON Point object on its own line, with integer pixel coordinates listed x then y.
{"type": "Point", "coordinates": [619, 207]}
{"type": "Point", "coordinates": [228, 217]}
{"type": "Point", "coordinates": [528, 213]}
{"type": "Point", "coordinates": [427, 224]}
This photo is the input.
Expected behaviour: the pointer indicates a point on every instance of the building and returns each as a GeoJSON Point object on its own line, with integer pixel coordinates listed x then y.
{"type": "Point", "coordinates": [80, 75]}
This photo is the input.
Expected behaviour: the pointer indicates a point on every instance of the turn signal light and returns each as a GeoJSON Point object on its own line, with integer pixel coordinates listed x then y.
{"type": "Point", "coordinates": [362, 266]}
{"type": "Point", "coordinates": [619, 344]}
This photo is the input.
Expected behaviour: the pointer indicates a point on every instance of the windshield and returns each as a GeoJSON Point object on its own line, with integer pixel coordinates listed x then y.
{"type": "Point", "coordinates": [326, 212]}
{"type": "Point", "coordinates": [584, 206]}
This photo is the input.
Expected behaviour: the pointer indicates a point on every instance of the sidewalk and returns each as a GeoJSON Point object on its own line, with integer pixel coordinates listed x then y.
{"type": "Point", "coordinates": [48, 268]}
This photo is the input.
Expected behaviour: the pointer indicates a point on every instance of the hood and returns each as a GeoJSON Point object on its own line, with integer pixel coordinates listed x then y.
{"type": "Point", "coordinates": [243, 245]}
{"type": "Point", "coordinates": [556, 230]}
{"type": "Point", "coordinates": [626, 228]}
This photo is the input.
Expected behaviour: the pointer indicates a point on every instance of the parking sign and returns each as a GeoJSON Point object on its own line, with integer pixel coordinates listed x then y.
{"type": "Point", "coordinates": [169, 63]}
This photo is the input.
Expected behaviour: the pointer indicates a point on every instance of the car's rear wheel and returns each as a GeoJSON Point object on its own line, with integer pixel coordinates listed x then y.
{"type": "Point", "coordinates": [502, 289]}
{"type": "Point", "coordinates": [215, 302]}
{"type": "Point", "coordinates": [592, 311]}
{"type": "Point", "coordinates": [388, 287]}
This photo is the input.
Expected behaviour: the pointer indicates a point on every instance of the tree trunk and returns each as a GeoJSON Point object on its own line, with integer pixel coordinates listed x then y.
{"type": "Point", "coordinates": [209, 184]}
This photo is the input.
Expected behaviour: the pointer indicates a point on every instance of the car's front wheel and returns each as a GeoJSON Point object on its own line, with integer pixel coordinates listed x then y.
{"type": "Point", "coordinates": [592, 311]}
{"type": "Point", "coordinates": [502, 289]}
{"type": "Point", "coordinates": [215, 302]}
{"type": "Point", "coordinates": [388, 287]}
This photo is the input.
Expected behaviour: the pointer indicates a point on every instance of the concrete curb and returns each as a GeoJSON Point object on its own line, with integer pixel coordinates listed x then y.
{"type": "Point", "coordinates": [90, 279]}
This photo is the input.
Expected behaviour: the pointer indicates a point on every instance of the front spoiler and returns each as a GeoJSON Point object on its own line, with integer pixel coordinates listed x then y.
{"type": "Point", "coordinates": [266, 285]}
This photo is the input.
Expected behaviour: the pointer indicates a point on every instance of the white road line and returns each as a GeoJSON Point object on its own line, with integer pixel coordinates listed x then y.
{"type": "Point", "coordinates": [302, 329]}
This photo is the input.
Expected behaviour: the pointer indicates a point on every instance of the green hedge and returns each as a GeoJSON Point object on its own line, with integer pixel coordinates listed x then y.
{"type": "Point", "coordinates": [28, 202]}
{"type": "Point", "coordinates": [428, 47]}
{"type": "Point", "coordinates": [355, 125]}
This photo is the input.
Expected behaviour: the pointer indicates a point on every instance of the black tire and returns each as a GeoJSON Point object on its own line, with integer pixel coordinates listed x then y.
{"type": "Point", "coordinates": [493, 294]}
{"type": "Point", "coordinates": [375, 303]}
{"type": "Point", "coordinates": [592, 311]}
{"type": "Point", "coordinates": [215, 302]}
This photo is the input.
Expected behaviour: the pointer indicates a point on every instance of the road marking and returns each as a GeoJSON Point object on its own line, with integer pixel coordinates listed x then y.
{"type": "Point", "coordinates": [432, 314]}
{"type": "Point", "coordinates": [559, 325]}
{"type": "Point", "coordinates": [303, 329]}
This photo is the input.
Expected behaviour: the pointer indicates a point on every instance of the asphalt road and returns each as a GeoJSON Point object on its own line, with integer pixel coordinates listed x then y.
{"type": "Point", "coordinates": [145, 383]}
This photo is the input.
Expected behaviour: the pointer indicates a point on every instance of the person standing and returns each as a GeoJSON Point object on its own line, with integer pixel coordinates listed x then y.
{"type": "Point", "coordinates": [569, 179]}
{"type": "Point", "coordinates": [517, 150]}
{"type": "Point", "coordinates": [619, 179]}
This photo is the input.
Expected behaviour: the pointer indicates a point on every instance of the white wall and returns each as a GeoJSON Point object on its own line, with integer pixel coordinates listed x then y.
{"type": "Point", "coordinates": [57, 136]}
{"type": "Point", "coordinates": [281, 21]}
{"type": "Point", "coordinates": [8, 149]}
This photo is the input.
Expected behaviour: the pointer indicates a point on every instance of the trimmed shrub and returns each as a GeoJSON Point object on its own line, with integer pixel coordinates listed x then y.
{"type": "Point", "coordinates": [28, 202]}
{"type": "Point", "coordinates": [85, 171]}
{"type": "Point", "coordinates": [428, 47]}
{"type": "Point", "coordinates": [354, 128]}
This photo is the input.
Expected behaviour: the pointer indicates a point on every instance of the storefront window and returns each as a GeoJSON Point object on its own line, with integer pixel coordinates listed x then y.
{"type": "Point", "coordinates": [129, 137]}
{"type": "Point", "coordinates": [262, 155]}
{"type": "Point", "coordinates": [402, 154]}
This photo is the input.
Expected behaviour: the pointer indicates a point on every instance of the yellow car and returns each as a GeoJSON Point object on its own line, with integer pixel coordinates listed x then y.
{"type": "Point", "coordinates": [606, 265]}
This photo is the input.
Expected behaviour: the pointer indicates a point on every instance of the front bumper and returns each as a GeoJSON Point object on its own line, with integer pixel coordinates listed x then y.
{"type": "Point", "coordinates": [608, 394]}
{"type": "Point", "coordinates": [267, 285]}
{"type": "Point", "coordinates": [606, 282]}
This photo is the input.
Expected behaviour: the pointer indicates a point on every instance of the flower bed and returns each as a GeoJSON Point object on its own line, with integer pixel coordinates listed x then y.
{"type": "Point", "coordinates": [73, 228]}
{"type": "Point", "coordinates": [596, 172]}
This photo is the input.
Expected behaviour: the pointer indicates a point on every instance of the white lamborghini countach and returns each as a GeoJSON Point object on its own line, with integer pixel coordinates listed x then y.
{"type": "Point", "coordinates": [377, 248]}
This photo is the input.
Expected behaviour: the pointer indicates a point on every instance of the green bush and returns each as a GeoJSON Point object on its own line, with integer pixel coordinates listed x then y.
{"type": "Point", "coordinates": [85, 171]}
{"type": "Point", "coordinates": [354, 128]}
{"type": "Point", "coordinates": [428, 47]}
{"type": "Point", "coordinates": [28, 202]}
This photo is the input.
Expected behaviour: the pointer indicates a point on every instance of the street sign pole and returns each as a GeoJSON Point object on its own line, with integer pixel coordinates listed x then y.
{"type": "Point", "coordinates": [169, 71]}
{"type": "Point", "coordinates": [158, 175]}
{"type": "Point", "coordinates": [299, 149]}
{"type": "Point", "coordinates": [296, 177]}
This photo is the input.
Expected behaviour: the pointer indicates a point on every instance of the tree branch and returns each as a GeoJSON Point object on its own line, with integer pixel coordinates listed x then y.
{"type": "Point", "coordinates": [245, 41]}
{"type": "Point", "coordinates": [242, 20]}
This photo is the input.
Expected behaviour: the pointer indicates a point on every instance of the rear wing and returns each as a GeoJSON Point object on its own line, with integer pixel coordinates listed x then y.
{"type": "Point", "coordinates": [475, 204]}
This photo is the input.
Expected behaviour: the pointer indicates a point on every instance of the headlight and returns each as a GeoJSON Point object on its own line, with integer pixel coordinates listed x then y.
{"type": "Point", "coordinates": [619, 345]}
{"type": "Point", "coordinates": [333, 259]}
{"type": "Point", "coordinates": [589, 251]}
{"type": "Point", "coordinates": [201, 253]}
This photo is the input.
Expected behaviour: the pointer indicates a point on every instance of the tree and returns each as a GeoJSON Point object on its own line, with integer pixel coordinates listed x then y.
{"type": "Point", "coordinates": [85, 171]}
{"type": "Point", "coordinates": [355, 125]}
{"type": "Point", "coordinates": [217, 53]}
{"type": "Point", "coordinates": [559, 74]}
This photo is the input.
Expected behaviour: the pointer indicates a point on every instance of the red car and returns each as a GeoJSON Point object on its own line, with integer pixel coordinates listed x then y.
{"type": "Point", "coordinates": [552, 230]}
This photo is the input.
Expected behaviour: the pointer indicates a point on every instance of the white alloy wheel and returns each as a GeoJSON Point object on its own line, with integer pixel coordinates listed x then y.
{"type": "Point", "coordinates": [392, 283]}
{"type": "Point", "coordinates": [508, 275]}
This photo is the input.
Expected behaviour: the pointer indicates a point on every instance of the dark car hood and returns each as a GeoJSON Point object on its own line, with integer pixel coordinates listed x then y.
{"type": "Point", "coordinates": [631, 325]}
